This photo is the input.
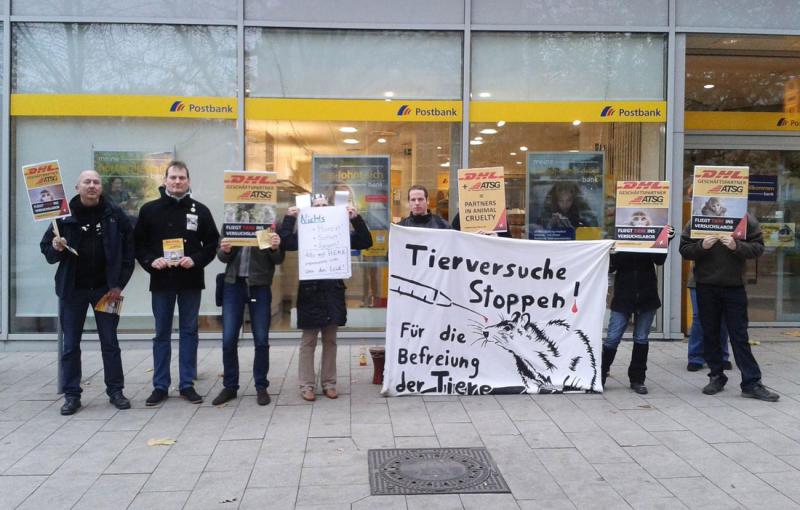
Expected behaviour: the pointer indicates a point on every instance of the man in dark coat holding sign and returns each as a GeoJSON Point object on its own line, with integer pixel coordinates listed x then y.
{"type": "Point", "coordinates": [179, 219]}
{"type": "Point", "coordinates": [321, 305]}
{"type": "Point", "coordinates": [101, 234]}
{"type": "Point", "coordinates": [719, 263]}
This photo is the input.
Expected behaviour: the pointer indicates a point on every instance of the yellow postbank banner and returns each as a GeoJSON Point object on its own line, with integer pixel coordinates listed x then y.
{"type": "Point", "coordinates": [109, 105]}
{"type": "Point", "coordinates": [569, 111]}
{"type": "Point", "coordinates": [353, 109]}
{"type": "Point", "coordinates": [741, 121]}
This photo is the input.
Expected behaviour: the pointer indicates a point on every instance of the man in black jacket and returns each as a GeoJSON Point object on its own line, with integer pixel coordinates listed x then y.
{"type": "Point", "coordinates": [100, 232]}
{"type": "Point", "coordinates": [420, 215]}
{"type": "Point", "coordinates": [178, 218]}
{"type": "Point", "coordinates": [719, 263]}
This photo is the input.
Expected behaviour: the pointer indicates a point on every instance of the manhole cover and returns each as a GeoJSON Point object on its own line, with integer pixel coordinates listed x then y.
{"type": "Point", "coordinates": [433, 471]}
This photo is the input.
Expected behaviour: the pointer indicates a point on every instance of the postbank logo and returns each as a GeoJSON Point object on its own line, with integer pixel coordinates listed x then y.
{"type": "Point", "coordinates": [608, 111]}
{"type": "Point", "coordinates": [408, 110]}
{"type": "Point", "coordinates": [633, 113]}
{"type": "Point", "coordinates": [177, 106]}
{"type": "Point", "coordinates": [404, 111]}
{"type": "Point", "coordinates": [197, 107]}
{"type": "Point", "coordinates": [783, 122]}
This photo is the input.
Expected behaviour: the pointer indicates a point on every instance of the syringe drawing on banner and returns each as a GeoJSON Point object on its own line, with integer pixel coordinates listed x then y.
{"type": "Point", "coordinates": [427, 294]}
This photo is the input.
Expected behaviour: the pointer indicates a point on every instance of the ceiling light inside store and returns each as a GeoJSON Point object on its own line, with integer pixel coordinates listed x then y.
{"type": "Point", "coordinates": [485, 94]}
{"type": "Point", "coordinates": [576, 122]}
{"type": "Point", "coordinates": [348, 129]}
{"type": "Point", "coordinates": [388, 93]}
{"type": "Point", "coordinates": [519, 162]}
{"type": "Point", "coordinates": [708, 86]}
{"type": "Point", "coordinates": [381, 140]}
{"type": "Point", "coordinates": [501, 123]}
{"type": "Point", "coordinates": [438, 147]}
{"type": "Point", "coordinates": [512, 153]}
{"type": "Point", "coordinates": [479, 138]}
{"type": "Point", "coordinates": [445, 164]}
{"type": "Point", "coordinates": [488, 131]}
{"type": "Point", "coordinates": [476, 142]}
{"type": "Point", "coordinates": [523, 148]}
{"type": "Point", "coordinates": [573, 150]}
{"type": "Point", "coordinates": [351, 141]}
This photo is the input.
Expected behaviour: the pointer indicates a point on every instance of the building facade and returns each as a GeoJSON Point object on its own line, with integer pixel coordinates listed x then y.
{"type": "Point", "coordinates": [326, 94]}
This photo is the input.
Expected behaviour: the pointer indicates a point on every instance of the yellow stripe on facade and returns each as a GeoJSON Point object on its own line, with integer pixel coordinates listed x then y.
{"type": "Point", "coordinates": [352, 109]}
{"type": "Point", "coordinates": [569, 111]}
{"type": "Point", "coordinates": [741, 121]}
{"type": "Point", "coordinates": [103, 105]}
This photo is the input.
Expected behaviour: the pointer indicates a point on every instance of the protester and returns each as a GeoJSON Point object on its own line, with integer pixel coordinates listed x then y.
{"type": "Point", "coordinates": [248, 277]}
{"type": "Point", "coordinates": [420, 215]}
{"type": "Point", "coordinates": [176, 216]}
{"type": "Point", "coordinates": [321, 306]}
{"type": "Point", "coordinates": [635, 293]}
{"type": "Point", "coordinates": [695, 350]}
{"type": "Point", "coordinates": [101, 234]}
{"type": "Point", "coordinates": [719, 263]}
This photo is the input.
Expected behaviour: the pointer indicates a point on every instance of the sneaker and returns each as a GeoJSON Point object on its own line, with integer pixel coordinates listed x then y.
{"type": "Point", "coordinates": [727, 365]}
{"type": "Point", "coordinates": [330, 393]}
{"type": "Point", "coordinates": [694, 367]}
{"type": "Point", "coordinates": [308, 395]}
{"type": "Point", "coordinates": [760, 392]}
{"type": "Point", "coordinates": [156, 397]}
{"type": "Point", "coordinates": [191, 395]}
{"type": "Point", "coordinates": [224, 396]}
{"type": "Point", "coordinates": [714, 386]}
{"type": "Point", "coordinates": [119, 401]}
{"type": "Point", "coordinates": [71, 405]}
{"type": "Point", "coordinates": [262, 397]}
{"type": "Point", "coordinates": [639, 388]}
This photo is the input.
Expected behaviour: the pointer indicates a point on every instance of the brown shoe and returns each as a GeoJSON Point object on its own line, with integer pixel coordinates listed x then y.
{"type": "Point", "coordinates": [330, 393]}
{"type": "Point", "coordinates": [308, 395]}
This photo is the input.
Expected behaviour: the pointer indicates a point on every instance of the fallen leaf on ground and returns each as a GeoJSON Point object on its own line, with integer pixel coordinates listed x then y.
{"type": "Point", "coordinates": [164, 441]}
{"type": "Point", "coordinates": [791, 333]}
{"type": "Point", "coordinates": [148, 370]}
{"type": "Point", "coordinates": [231, 500]}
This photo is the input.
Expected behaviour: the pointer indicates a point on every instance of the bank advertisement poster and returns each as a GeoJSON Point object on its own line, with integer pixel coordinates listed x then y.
{"type": "Point", "coordinates": [323, 239]}
{"type": "Point", "coordinates": [46, 191]}
{"type": "Point", "coordinates": [778, 235]}
{"type": "Point", "coordinates": [367, 180]}
{"type": "Point", "coordinates": [472, 315]}
{"type": "Point", "coordinates": [482, 199]}
{"type": "Point", "coordinates": [719, 201]}
{"type": "Point", "coordinates": [131, 178]}
{"type": "Point", "coordinates": [642, 216]}
{"type": "Point", "coordinates": [250, 205]}
{"type": "Point", "coordinates": [565, 195]}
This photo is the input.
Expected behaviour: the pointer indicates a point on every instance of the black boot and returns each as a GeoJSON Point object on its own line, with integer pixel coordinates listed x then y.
{"type": "Point", "coordinates": [608, 359]}
{"type": "Point", "coordinates": [638, 368]}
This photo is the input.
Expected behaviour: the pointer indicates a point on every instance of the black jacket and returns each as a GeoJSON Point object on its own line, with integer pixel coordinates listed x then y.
{"type": "Point", "coordinates": [426, 220]}
{"type": "Point", "coordinates": [117, 243]}
{"type": "Point", "coordinates": [635, 283]}
{"type": "Point", "coordinates": [719, 265]}
{"type": "Point", "coordinates": [166, 218]}
{"type": "Point", "coordinates": [261, 268]}
{"type": "Point", "coordinates": [322, 303]}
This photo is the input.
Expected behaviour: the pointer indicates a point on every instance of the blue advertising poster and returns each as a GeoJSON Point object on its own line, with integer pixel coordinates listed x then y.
{"type": "Point", "coordinates": [762, 188]}
{"type": "Point", "coordinates": [565, 195]}
{"type": "Point", "coordinates": [366, 178]}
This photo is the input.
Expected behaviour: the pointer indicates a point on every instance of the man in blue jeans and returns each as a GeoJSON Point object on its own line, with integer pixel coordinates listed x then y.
{"type": "Point", "coordinates": [248, 277]}
{"type": "Point", "coordinates": [176, 238]}
{"type": "Point", "coordinates": [101, 233]}
{"type": "Point", "coordinates": [719, 263]}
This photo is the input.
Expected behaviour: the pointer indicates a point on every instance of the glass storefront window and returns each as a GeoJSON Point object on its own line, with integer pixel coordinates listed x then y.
{"type": "Point", "coordinates": [105, 65]}
{"type": "Point", "coordinates": [356, 111]}
{"type": "Point", "coordinates": [742, 73]}
{"type": "Point", "coordinates": [176, 9]}
{"type": "Point", "coordinates": [772, 280]}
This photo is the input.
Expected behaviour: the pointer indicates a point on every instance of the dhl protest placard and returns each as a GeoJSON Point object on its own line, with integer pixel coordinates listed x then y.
{"type": "Point", "coordinates": [642, 216]}
{"type": "Point", "coordinates": [719, 201]}
{"type": "Point", "coordinates": [250, 199]}
{"type": "Point", "coordinates": [46, 191]}
{"type": "Point", "coordinates": [482, 199]}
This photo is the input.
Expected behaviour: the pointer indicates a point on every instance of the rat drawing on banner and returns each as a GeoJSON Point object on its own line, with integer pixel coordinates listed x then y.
{"type": "Point", "coordinates": [535, 347]}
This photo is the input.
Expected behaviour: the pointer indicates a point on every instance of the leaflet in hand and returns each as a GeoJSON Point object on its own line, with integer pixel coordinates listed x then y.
{"type": "Point", "coordinates": [173, 251]}
{"type": "Point", "coordinates": [108, 304]}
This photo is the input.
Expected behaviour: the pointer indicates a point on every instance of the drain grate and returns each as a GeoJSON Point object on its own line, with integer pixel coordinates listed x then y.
{"type": "Point", "coordinates": [433, 471]}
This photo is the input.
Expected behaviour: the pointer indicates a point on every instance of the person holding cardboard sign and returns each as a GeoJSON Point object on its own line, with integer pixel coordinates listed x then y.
{"type": "Point", "coordinates": [176, 238]}
{"type": "Point", "coordinates": [103, 236]}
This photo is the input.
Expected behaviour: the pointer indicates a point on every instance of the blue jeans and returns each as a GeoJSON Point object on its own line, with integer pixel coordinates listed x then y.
{"type": "Point", "coordinates": [618, 323]}
{"type": "Point", "coordinates": [728, 304]}
{"type": "Point", "coordinates": [696, 335]}
{"type": "Point", "coordinates": [72, 312]}
{"type": "Point", "coordinates": [163, 311]}
{"type": "Point", "coordinates": [259, 300]}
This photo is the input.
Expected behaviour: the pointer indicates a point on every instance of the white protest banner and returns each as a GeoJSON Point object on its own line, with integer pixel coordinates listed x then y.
{"type": "Point", "coordinates": [323, 237]}
{"type": "Point", "coordinates": [470, 314]}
